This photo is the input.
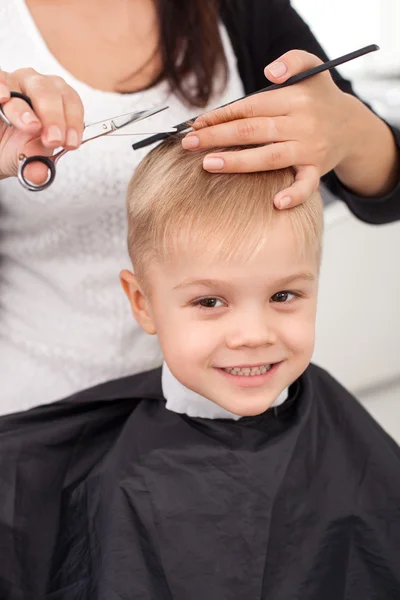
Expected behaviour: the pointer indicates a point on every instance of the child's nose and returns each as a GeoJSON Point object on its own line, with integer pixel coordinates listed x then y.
{"type": "Point", "coordinates": [251, 330]}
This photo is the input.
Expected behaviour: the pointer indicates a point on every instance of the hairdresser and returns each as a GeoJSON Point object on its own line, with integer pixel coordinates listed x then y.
{"type": "Point", "coordinates": [64, 324]}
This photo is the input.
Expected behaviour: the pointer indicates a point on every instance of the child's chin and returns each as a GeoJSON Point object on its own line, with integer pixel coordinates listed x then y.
{"type": "Point", "coordinates": [249, 407]}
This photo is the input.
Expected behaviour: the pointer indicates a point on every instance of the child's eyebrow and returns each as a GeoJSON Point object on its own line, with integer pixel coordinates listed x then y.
{"type": "Point", "coordinates": [306, 276]}
{"type": "Point", "coordinates": [204, 282]}
{"type": "Point", "coordinates": [212, 283]}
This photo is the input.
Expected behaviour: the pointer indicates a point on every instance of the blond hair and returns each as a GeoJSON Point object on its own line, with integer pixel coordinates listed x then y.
{"type": "Point", "coordinates": [173, 200]}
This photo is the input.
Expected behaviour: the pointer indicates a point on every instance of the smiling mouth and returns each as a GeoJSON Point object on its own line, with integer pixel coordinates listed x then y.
{"type": "Point", "coordinates": [249, 371]}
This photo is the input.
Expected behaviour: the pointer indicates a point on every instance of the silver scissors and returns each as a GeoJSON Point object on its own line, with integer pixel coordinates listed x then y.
{"type": "Point", "coordinates": [91, 132]}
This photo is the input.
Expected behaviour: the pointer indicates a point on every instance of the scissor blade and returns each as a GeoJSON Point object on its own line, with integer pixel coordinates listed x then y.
{"type": "Point", "coordinates": [115, 124]}
{"type": "Point", "coordinates": [124, 120]}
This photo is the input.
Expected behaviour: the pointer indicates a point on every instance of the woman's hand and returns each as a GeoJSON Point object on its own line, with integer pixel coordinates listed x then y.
{"type": "Point", "coordinates": [56, 120]}
{"type": "Point", "coordinates": [312, 125]}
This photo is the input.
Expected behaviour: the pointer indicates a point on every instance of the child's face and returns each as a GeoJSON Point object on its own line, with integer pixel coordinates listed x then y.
{"type": "Point", "coordinates": [218, 321]}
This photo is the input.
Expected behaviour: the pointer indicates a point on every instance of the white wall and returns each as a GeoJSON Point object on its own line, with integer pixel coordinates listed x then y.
{"type": "Point", "coordinates": [358, 325]}
{"type": "Point", "coordinates": [345, 25]}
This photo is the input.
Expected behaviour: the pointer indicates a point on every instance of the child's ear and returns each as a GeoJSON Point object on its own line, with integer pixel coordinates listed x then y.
{"type": "Point", "coordinates": [138, 301]}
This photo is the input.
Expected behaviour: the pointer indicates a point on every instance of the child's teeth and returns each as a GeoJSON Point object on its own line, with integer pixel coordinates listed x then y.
{"type": "Point", "coordinates": [248, 371]}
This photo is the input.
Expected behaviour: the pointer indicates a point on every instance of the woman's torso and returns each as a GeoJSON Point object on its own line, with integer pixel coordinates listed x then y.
{"type": "Point", "coordinates": [64, 322]}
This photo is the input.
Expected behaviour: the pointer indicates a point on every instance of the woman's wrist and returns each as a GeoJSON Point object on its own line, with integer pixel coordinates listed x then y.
{"type": "Point", "coordinates": [371, 165]}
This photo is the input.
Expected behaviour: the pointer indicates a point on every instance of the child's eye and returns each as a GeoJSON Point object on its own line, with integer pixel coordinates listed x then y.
{"type": "Point", "coordinates": [284, 297]}
{"type": "Point", "coordinates": [208, 303]}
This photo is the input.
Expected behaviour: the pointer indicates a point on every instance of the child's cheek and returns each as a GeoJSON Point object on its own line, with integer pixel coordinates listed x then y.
{"type": "Point", "coordinates": [299, 334]}
{"type": "Point", "coordinates": [193, 344]}
{"type": "Point", "coordinates": [198, 339]}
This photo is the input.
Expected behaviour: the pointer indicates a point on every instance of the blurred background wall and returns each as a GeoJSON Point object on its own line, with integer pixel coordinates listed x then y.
{"type": "Point", "coordinates": [358, 328]}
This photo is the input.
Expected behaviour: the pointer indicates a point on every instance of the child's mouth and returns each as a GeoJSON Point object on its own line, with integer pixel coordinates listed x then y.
{"type": "Point", "coordinates": [250, 376]}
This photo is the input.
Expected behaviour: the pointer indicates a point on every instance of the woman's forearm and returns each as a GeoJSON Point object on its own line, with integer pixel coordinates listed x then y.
{"type": "Point", "coordinates": [372, 165]}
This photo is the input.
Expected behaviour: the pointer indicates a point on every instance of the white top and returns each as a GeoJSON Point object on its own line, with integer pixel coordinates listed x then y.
{"type": "Point", "coordinates": [64, 321]}
{"type": "Point", "coordinates": [181, 399]}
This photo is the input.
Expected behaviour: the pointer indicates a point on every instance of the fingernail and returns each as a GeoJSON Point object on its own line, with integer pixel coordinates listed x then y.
{"type": "Point", "coordinates": [213, 164]}
{"type": "Point", "coordinates": [29, 118]}
{"type": "Point", "coordinates": [277, 69]}
{"type": "Point", "coordinates": [54, 134]}
{"type": "Point", "coordinates": [285, 202]}
{"type": "Point", "coordinates": [191, 142]}
{"type": "Point", "coordinates": [72, 138]}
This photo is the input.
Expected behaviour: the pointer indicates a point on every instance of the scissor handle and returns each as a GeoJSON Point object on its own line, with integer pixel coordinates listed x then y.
{"type": "Point", "coordinates": [24, 161]}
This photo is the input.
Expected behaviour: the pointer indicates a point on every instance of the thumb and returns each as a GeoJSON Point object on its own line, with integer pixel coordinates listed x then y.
{"type": "Point", "coordinates": [17, 145]}
{"type": "Point", "coordinates": [289, 64]}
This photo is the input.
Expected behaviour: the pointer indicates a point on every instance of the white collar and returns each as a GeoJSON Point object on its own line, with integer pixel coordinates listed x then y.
{"type": "Point", "coordinates": [181, 399]}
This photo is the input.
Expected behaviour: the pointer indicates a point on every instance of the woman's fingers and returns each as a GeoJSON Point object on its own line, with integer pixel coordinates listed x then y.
{"type": "Point", "coordinates": [56, 105]}
{"type": "Point", "coordinates": [306, 183]}
{"type": "Point", "coordinates": [264, 158]}
{"type": "Point", "coordinates": [265, 104]}
{"type": "Point", "coordinates": [259, 130]}
{"type": "Point", "coordinates": [270, 103]}
{"type": "Point", "coordinates": [73, 114]}
{"type": "Point", "coordinates": [48, 105]}
{"type": "Point", "coordinates": [18, 112]}
{"type": "Point", "coordinates": [289, 64]}
{"type": "Point", "coordinates": [4, 89]}
{"type": "Point", "coordinates": [301, 126]}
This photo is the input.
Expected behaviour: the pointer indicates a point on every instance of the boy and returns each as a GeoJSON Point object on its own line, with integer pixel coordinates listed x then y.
{"type": "Point", "coordinates": [244, 473]}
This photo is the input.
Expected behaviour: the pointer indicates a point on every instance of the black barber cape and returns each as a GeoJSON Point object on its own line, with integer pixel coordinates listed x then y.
{"type": "Point", "coordinates": [109, 496]}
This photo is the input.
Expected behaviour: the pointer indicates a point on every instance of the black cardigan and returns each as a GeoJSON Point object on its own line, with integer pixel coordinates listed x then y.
{"type": "Point", "coordinates": [263, 30]}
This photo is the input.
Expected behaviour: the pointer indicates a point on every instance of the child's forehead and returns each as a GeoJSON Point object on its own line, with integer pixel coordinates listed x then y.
{"type": "Point", "coordinates": [278, 254]}
{"type": "Point", "coordinates": [281, 241]}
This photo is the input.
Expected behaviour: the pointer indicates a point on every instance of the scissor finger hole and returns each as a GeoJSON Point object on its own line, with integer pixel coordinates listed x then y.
{"type": "Point", "coordinates": [38, 160]}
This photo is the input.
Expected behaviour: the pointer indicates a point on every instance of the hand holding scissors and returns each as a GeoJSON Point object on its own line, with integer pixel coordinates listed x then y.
{"type": "Point", "coordinates": [91, 132]}
{"type": "Point", "coordinates": [43, 114]}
